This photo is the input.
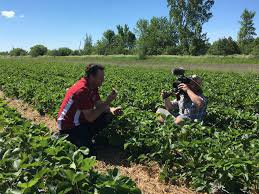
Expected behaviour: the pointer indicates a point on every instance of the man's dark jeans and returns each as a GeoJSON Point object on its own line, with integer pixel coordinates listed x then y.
{"type": "Point", "coordinates": [83, 134]}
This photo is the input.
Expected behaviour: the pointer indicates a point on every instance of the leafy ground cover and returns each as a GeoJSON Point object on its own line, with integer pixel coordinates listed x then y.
{"type": "Point", "coordinates": [221, 155]}
{"type": "Point", "coordinates": [34, 161]}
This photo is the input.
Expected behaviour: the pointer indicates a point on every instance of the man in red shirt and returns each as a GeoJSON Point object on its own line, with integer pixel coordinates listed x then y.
{"type": "Point", "coordinates": [82, 113]}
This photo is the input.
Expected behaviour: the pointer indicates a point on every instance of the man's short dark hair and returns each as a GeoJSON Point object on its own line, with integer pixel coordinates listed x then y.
{"type": "Point", "coordinates": [92, 69]}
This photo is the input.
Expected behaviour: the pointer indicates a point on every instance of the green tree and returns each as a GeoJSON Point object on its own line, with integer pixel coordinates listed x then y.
{"type": "Point", "coordinates": [247, 32]}
{"type": "Point", "coordinates": [64, 51]}
{"type": "Point", "coordinates": [187, 18]}
{"type": "Point", "coordinates": [109, 35]}
{"type": "Point", "coordinates": [121, 43]}
{"type": "Point", "coordinates": [108, 42]}
{"type": "Point", "coordinates": [88, 45]}
{"type": "Point", "coordinates": [224, 46]}
{"type": "Point", "coordinates": [38, 50]}
{"type": "Point", "coordinates": [18, 52]}
{"type": "Point", "coordinates": [101, 47]}
{"type": "Point", "coordinates": [199, 42]}
{"type": "Point", "coordinates": [76, 53]}
{"type": "Point", "coordinates": [255, 50]}
{"type": "Point", "coordinates": [156, 36]}
{"type": "Point", "coordinates": [142, 33]}
{"type": "Point", "coordinates": [125, 40]}
{"type": "Point", "coordinates": [3, 53]}
{"type": "Point", "coordinates": [53, 52]}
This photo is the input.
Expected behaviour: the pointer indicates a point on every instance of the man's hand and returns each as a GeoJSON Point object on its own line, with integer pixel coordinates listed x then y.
{"type": "Point", "coordinates": [183, 87]}
{"type": "Point", "coordinates": [112, 96]}
{"type": "Point", "coordinates": [117, 111]}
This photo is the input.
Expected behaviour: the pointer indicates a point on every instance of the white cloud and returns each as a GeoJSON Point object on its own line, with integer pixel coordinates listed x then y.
{"type": "Point", "coordinates": [8, 14]}
{"type": "Point", "coordinates": [21, 16]}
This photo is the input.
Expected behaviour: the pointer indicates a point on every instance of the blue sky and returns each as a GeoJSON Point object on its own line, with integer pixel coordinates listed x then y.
{"type": "Point", "coordinates": [63, 23]}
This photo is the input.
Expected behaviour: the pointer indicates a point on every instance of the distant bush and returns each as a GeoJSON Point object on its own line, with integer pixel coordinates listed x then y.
{"type": "Point", "coordinates": [224, 46]}
{"type": "Point", "coordinates": [76, 53]}
{"type": "Point", "coordinates": [4, 53]}
{"type": "Point", "coordinates": [142, 52]}
{"type": "Point", "coordinates": [53, 52]}
{"type": "Point", "coordinates": [64, 51]}
{"type": "Point", "coordinates": [38, 50]}
{"type": "Point", "coordinates": [101, 48]}
{"type": "Point", "coordinates": [18, 52]}
{"type": "Point", "coordinates": [255, 50]}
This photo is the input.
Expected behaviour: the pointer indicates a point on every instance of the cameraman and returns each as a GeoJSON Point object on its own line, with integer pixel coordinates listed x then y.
{"type": "Point", "coordinates": [190, 102]}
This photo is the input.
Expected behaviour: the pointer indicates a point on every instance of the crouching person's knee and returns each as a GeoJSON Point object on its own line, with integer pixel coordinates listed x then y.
{"type": "Point", "coordinates": [180, 119]}
{"type": "Point", "coordinates": [162, 114]}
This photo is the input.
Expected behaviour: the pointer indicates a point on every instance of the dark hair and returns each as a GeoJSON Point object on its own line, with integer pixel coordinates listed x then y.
{"type": "Point", "coordinates": [92, 69]}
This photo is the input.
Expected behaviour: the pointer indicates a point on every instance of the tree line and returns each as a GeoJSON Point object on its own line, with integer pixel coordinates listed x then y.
{"type": "Point", "coordinates": [179, 34]}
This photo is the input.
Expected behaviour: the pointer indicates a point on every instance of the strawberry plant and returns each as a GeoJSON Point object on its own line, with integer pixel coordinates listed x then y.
{"type": "Point", "coordinates": [221, 155]}
{"type": "Point", "coordinates": [34, 161]}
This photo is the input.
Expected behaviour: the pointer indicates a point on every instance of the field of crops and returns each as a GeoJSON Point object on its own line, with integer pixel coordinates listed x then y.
{"type": "Point", "coordinates": [34, 161]}
{"type": "Point", "coordinates": [221, 155]}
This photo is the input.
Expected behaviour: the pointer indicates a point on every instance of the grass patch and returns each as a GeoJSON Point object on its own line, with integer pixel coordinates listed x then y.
{"type": "Point", "coordinates": [234, 63]}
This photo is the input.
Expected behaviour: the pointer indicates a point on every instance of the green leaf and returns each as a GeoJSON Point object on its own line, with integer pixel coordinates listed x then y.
{"type": "Point", "coordinates": [35, 180]}
{"type": "Point", "coordinates": [246, 176]}
{"type": "Point", "coordinates": [28, 184]}
{"type": "Point", "coordinates": [230, 176]}
{"type": "Point", "coordinates": [6, 154]}
{"type": "Point", "coordinates": [66, 190]}
{"type": "Point", "coordinates": [87, 164]}
{"type": "Point", "coordinates": [114, 173]}
{"type": "Point", "coordinates": [79, 177]}
{"type": "Point", "coordinates": [82, 150]}
{"type": "Point", "coordinates": [201, 188]}
{"type": "Point", "coordinates": [107, 190]}
{"type": "Point", "coordinates": [33, 164]}
{"type": "Point", "coordinates": [16, 164]}
{"type": "Point", "coordinates": [11, 191]}
{"type": "Point", "coordinates": [69, 174]}
{"type": "Point", "coordinates": [73, 165]}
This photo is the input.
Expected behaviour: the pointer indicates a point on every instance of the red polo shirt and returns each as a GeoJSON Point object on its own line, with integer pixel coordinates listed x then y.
{"type": "Point", "coordinates": [78, 97]}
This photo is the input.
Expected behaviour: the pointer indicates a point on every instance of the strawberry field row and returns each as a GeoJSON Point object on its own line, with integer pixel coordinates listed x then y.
{"type": "Point", "coordinates": [34, 161]}
{"type": "Point", "coordinates": [220, 155]}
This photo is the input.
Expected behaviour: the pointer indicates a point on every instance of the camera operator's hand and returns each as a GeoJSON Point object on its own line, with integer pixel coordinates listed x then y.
{"type": "Point", "coordinates": [165, 94]}
{"type": "Point", "coordinates": [183, 87]}
{"type": "Point", "coordinates": [111, 96]}
{"type": "Point", "coordinates": [177, 95]}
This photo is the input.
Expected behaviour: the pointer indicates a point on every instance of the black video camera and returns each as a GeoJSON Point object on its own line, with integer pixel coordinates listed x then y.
{"type": "Point", "coordinates": [181, 78]}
